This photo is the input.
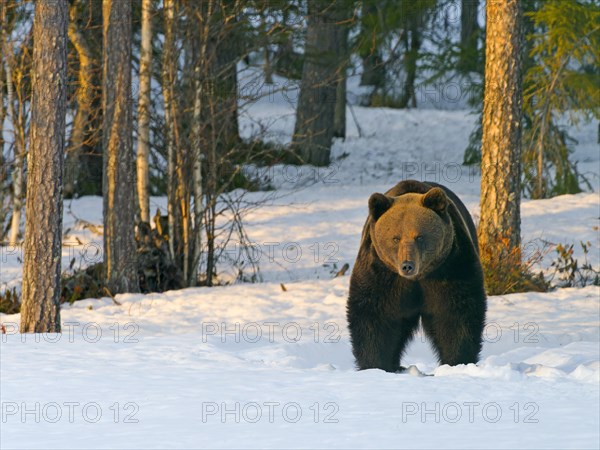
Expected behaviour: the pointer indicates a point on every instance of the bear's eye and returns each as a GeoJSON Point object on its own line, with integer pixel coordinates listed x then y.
{"type": "Point", "coordinates": [419, 239]}
{"type": "Point", "coordinates": [396, 240]}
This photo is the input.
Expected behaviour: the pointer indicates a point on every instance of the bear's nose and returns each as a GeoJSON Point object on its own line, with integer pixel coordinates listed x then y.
{"type": "Point", "coordinates": [407, 268]}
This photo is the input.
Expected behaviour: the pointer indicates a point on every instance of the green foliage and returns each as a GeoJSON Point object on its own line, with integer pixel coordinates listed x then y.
{"type": "Point", "coordinates": [563, 79]}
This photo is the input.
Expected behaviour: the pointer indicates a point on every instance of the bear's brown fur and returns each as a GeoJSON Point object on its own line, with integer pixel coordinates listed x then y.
{"type": "Point", "coordinates": [418, 260]}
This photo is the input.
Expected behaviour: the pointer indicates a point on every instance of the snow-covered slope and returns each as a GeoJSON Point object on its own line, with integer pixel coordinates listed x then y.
{"type": "Point", "coordinates": [270, 364]}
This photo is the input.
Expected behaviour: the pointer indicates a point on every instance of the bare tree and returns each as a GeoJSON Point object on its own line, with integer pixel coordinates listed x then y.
{"type": "Point", "coordinates": [502, 112]}
{"type": "Point", "coordinates": [120, 268]}
{"type": "Point", "coordinates": [143, 149]}
{"type": "Point", "coordinates": [40, 308]}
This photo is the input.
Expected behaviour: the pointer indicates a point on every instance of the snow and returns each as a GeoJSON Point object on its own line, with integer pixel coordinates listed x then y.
{"type": "Point", "coordinates": [260, 366]}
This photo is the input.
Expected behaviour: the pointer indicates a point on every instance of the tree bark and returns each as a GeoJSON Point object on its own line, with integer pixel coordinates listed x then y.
{"type": "Point", "coordinates": [85, 97]}
{"type": "Point", "coordinates": [40, 308]}
{"type": "Point", "coordinates": [339, 122]}
{"type": "Point", "coordinates": [90, 165]}
{"type": "Point", "coordinates": [222, 55]}
{"type": "Point", "coordinates": [2, 109]}
{"type": "Point", "coordinates": [197, 142]}
{"type": "Point", "coordinates": [315, 113]}
{"type": "Point", "coordinates": [19, 148]}
{"type": "Point", "coordinates": [502, 112]}
{"type": "Point", "coordinates": [143, 149]}
{"type": "Point", "coordinates": [120, 268]}
{"type": "Point", "coordinates": [169, 78]}
{"type": "Point", "coordinates": [2, 116]}
{"type": "Point", "coordinates": [412, 36]}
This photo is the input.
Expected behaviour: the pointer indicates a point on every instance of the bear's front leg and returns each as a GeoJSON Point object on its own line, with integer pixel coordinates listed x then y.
{"type": "Point", "coordinates": [378, 343]}
{"type": "Point", "coordinates": [454, 322]}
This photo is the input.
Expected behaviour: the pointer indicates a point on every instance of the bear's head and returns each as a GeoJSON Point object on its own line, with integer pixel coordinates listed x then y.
{"type": "Point", "coordinates": [412, 233]}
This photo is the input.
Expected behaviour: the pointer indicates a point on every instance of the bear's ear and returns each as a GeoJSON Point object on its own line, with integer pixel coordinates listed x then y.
{"type": "Point", "coordinates": [435, 199]}
{"type": "Point", "coordinates": [378, 204]}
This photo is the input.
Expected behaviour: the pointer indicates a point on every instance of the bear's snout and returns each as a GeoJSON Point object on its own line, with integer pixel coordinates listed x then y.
{"type": "Point", "coordinates": [407, 269]}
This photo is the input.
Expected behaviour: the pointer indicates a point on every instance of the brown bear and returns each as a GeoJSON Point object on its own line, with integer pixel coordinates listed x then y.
{"type": "Point", "coordinates": [418, 259]}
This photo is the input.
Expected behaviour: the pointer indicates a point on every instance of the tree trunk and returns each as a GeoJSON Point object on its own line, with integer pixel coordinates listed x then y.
{"type": "Point", "coordinates": [90, 167]}
{"type": "Point", "coordinates": [315, 113]}
{"type": "Point", "coordinates": [120, 268]}
{"type": "Point", "coordinates": [469, 31]}
{"type": "Point", "coordinates": [197, 142]}
{"type": "Point", "coordinates": [339, 122]}
{"type": "Point", "coordinates": [169, 78]}
{"type": "Point", "coordinates": [40, 308]}
{"type": "Point", "coordinates": [2, 116]}
{"type": "Point", "coordinates": [502, 112]}
{"type": "Point", "coordinates": [2, 110]}
{"type": "Point", "coordinates": [85, 97]}
{"type": "Point", "coordinates": [19, 149]}
{"type": "Point", "coordinates": [223, 55]}
{"type": "Point", "coordinates": [374, 72]}
{"type": "Point", "coordinates": [143, 149]}
{"type": "Point", "coordinates": [413, 40]}
{"type": "Point", "coordinates": [287, 62]}
{"type": "Point", "coordinates": [216, 132]}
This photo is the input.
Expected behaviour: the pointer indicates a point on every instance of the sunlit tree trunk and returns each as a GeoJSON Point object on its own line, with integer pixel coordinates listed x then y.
{"type": "Point", "coordinates": [143, 149]}
{"type": "Point", "coordinates": [19, 148]}
{"type": "Point", "coordinates": [169, 75]}
{"type": "Point", "coordinates": [2, 109]}
{"type": "Point", "coordinates": [502, 112]}
{"type": "Point", "coordinates": [2, 117]}
{"type": "Point", "coordinates": [120, 268]}
{"type": "Point", "coordinates": [40, 307]}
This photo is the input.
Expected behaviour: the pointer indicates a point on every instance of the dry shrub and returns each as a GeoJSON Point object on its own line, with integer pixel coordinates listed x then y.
{"type": "Point", "coordinates": [10, 302]}
{"type": "Point", "coordinates": [505, 271]}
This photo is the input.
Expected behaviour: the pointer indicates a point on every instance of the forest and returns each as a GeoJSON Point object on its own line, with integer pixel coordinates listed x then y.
{"type": "Point", "coordinates": [208, 163]}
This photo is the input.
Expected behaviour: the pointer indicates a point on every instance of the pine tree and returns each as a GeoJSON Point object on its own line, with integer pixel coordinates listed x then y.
{"type": "Point", "coordinates": [501, 143]}
{"type": "Point", "coordinates": [40, 308]}
{"type": "Point", "coordinates": [564, 78]}
{"type": "Point", "coordinates": [120, 268]}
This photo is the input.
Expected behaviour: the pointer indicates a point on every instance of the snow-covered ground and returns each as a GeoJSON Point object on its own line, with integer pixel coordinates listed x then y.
{"type": "Point", "coordinates": [270, 364]}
